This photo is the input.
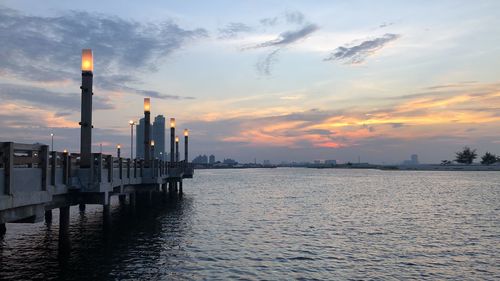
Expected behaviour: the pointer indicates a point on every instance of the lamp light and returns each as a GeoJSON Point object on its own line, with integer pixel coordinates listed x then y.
{"type": "Point", "coordinates": [87, 60]}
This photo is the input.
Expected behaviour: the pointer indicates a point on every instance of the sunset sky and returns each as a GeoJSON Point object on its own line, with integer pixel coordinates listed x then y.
{"type": "Point", "coordinates": [277, 80]}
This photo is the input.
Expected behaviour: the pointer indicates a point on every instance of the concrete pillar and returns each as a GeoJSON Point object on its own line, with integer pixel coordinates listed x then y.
{"type": "Point", "coordinates": [122, 198]}
{"type": "Point", "coordinates": [180, 187]}
{"type": "Point", "coordinates": [81, 207]}
{"type": "Point", "coordinates": [48, 216]}
{"type": "Point", "coordinates": [106, 210]}
{"type": "Point", "coordinates": [186, 138]}
{"type": "Point", "coordinates": [172, 140]}
{"type": "Point", "coordinates": [147, 130]}
{"type": "Point", "coordinates": [86, 111]}
{"type": "Point", "coordinates": [63, 221]}
{"type": "Point", "coordinates": [132, 198]}
{"type": "Point", "coordinates": [3, 229]}
{"type": "Point", "coordinates": [177, 156]}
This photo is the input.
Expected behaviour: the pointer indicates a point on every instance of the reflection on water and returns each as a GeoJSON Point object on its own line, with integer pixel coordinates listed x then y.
{"type": "Point", "coordinates": [93, 249]}
{"type": "Point", "coordinates": [279, 224]}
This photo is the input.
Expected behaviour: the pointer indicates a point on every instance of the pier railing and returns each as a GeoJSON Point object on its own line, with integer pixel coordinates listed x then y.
{"type": "Point", "coordinates": [31, 171]}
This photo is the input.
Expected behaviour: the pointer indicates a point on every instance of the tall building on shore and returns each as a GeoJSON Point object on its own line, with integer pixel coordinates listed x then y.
{"type": "Point", "coordinates": [211, 159]}
{"type": "Point", "coordinates": [159, 136]}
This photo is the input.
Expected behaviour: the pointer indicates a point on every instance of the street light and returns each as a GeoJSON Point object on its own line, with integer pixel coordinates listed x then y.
{"type": "Point", "coordinates": [176, 148]}
{"type": "Point", "coordinates": [52, 142]}
{"type": "Point", "coordinates": [172, 138]}
{"type": "Point", "coordinates": [152, 149]}
{"type": "Point", "coordinates": [118, 150]}
{"type": "Point", "coordinates": [86, 109]}
{"type": "Point", "coordinates": [131, 123]}
{"type": "Point", "coordinates": [186, 137]}
{"type": "Point", "coordinates": [147, 130]}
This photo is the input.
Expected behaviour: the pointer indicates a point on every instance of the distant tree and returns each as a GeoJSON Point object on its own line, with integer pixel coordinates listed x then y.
{"type": "Point", "coordinates": [466, 156]}
{"type": "Point", "coordinates": [488, 159]}
{"type": "Point", "coordinates": [445, 162]}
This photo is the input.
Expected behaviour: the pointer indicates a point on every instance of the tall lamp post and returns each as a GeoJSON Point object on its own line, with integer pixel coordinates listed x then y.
{"type": "Point", "coordinates": [147, 128]}
{"type": "Point", "coordinates": [52, 142]}
{"type": "Point", "coordinates": [186, 137]}
{"type": "Point", "coordinates": [118, 151]}
{"type": "Point", "coordinates": [172, 139]}
{"type": "Point", "coordinates": [86, 114]}
{"type": "Point", "coordinates": [131, 123]}
{"type": "Point", "coordinates": [176, 149]}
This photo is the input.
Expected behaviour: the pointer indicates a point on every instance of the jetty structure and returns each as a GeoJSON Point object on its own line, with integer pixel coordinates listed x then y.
{"type": "Point", "coordinates": [34, 181]}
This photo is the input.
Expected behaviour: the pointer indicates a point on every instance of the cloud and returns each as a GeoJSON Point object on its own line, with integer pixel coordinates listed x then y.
{"type": "Point", "coordinates": [269, 21]}
{"type": "Point", "coordinates": [289, 37]}
{"type": "Point", "coordinates": [283, 40]}
{"type": "Point", "coordinates": [385, 24]}
{"type": "Point", "coordinates": [45, 98]}
{"type": "Point", "coordinates": [36, 48]}
{"type": "Point", "coordinates": [233, 29]}
{"type": "Point", "coordinates": [358, 53]}
{"type": "Point", "coordinates": [294, 17]}
{"type": "Point", "coordinates": [436, 115]}
{"type": "Point", "coordinates": [265, 64]}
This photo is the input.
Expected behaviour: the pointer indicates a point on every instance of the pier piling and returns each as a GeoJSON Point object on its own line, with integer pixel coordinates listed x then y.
{"type": "Point", "coordinates": [63, 221]}
{"type": "Point", "coordinates": [81, 207]}
{"type": "Point", "coordinates": [3, 228]}
{"type": "Point", "coordinates": [48, 216]}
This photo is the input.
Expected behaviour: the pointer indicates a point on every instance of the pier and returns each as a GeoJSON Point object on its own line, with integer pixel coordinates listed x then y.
{"type": "Point", "coordinates": [34, 180]}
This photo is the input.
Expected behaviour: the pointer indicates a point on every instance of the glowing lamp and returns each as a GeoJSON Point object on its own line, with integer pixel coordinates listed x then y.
{"type": "Point", "coordinates": [87, 60]}
{"type": "Point", "coordinates": [147, 104]}
{"type": "Point", "coordinates": [172, 122]}
{"type": "Point", "coordinates": [118, 146]}
{"type": "Point", "coordinates": [186, 132]}
{"type": "Point", "coordinates": [176, 139]}
{"type": "Point", "coordinates": [51, 135]}
{"type": "Point", "coordinates": [131, 122]}
{"type": "Point", "coordinates": [152, 143]}
{"type": "Point", "coordinates": [65, 151]}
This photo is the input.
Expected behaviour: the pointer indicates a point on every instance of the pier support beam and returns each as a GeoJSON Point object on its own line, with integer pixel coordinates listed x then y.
{"type": "Point", "coordinates": [180, 187]}
{"type": "Point", "coordinates": [63, 221]}
{"type": "Point", "coordinates": [122, 199]}
{"type": "Point", "coordinates": [132, 198]}
{"type": "Point", "coordinates": [3, 229]}
{"type": "Point", "coordinates": [81, 207]}
{"type": "Point", "coordinates": [48, 216]}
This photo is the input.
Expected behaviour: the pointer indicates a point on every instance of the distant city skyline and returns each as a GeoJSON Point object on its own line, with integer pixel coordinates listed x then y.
{"type": "Point", "coordinates": [272, 80]}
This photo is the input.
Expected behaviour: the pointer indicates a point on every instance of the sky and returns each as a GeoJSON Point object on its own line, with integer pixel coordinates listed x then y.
{"type": "Point", "coordinates": [266, 80]}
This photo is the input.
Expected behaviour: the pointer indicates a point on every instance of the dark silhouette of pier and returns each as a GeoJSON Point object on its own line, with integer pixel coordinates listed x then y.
{"type": "Point", "coordinates": [34, 180]}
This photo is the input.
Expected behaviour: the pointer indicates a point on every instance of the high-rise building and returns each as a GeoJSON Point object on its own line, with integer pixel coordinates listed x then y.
{"type": "Point", "coordinates": [211, 159]}
{"type": "Point", "coordinates": [159, 136]}
{"type": "Point", "coordinates": [139, 147]}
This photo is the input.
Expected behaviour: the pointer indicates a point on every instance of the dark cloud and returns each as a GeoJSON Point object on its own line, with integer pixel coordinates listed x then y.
{"type": "Point", "coordinates": [233, 29]}
{"type": "Point", "coordinates": [284, 39]}
{"type": "Point", "coordinates": [41, 97]}
{"type": "Point", "coordinates": [397, 125]}
{"type": "Point", "coordinates": [49, 48]}
{"type": "Point", "coordinates": [289, 37]}
{"type": "Point", "coordinates": [358, 53]}
{"type": "Point", "coordinates": [269, 21]}
{"type": "Point", "coordinates": [294, 17]}
{"type": "Point", "coordinates": [265, 64]}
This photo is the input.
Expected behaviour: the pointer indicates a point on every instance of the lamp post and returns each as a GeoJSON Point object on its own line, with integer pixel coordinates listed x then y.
{"type": "Point", "coordinates": [118, 150]}
{"type": "Point", "coordinates": [147, 128]}
{"type": "Point", "coordinates": [186, 137]}
{"type": "Point", "coordinates": [52, 142]}
{"type": "Point", "coordinates": [86, 110]}
{"type": "Point", "coordinates": [176, 149]}
{"type": "Point", "coordinates": [152, 150]}
{"type": "Point", "coordinates": [172, 139]}
{"type": "Point", "coordinates": [131, 123]}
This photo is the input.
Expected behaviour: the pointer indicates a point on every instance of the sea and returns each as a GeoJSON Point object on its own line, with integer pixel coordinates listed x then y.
{"type": "Point", "coordinates": [278, 224]}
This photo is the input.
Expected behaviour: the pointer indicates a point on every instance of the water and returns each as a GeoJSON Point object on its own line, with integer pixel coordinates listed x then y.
{"type": "Point", "coordinates": [280, 224]}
